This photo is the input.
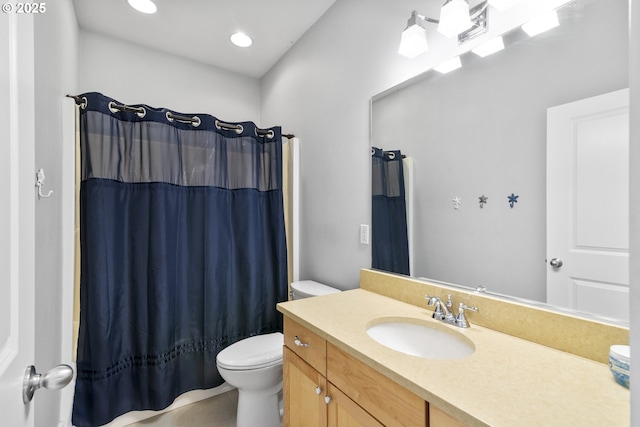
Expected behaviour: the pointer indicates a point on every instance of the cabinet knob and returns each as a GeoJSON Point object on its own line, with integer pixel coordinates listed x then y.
{"type": "Point", "coordinates": [318, 390]}
{"type": "Point", "coordinates": [299, 343]}
{"type": "Point", "coordinates": [327, 399]}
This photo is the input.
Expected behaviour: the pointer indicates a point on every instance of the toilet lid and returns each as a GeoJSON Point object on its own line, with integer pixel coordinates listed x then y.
{"type": "Point", "coordinates": [255, 352]}
{"type": "Point", "coordinates": [312, 288]}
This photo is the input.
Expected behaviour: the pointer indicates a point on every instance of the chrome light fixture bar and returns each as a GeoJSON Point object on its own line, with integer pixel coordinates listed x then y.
{"type": "Point", "coordinates": [456, 19]}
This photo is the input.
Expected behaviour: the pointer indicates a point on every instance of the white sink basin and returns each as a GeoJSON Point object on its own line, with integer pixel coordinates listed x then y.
{"type": "Point", "coordinates": [429, 340]}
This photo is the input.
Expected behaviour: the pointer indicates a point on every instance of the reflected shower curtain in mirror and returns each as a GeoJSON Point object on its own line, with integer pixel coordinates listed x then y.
{"type": "Point", "coordinates": [389, 242]}
{"type": "Point", "coordinates": [183, 252]}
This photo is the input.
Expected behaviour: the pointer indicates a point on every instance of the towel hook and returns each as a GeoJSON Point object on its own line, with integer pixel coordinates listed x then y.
{"type": "Point", "coordinates": [39, 181]}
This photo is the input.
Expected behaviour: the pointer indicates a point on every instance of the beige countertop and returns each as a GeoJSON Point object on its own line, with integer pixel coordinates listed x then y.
{"type": "Point", "coordinates": [507, 381]}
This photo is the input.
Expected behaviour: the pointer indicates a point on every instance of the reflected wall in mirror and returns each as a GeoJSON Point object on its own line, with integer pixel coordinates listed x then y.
{"type": "Point", "coordinates": [481, 130]}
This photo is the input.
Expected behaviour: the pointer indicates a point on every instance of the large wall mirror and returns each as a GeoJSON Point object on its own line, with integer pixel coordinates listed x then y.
{"type": "Point", "coordinates": [482, 130]}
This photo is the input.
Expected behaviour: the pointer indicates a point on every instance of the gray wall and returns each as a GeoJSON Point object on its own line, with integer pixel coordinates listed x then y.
{"type": "Point", "coordinates": [482, 130]}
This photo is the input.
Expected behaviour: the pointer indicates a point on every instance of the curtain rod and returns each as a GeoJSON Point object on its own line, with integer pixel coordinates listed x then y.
{"type": "Point", "coordinates": [391, 154]}
{"type": "Point", "coordinates": [195, 120]}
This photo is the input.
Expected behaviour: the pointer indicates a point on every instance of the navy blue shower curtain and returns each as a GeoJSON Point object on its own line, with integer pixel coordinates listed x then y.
{"type": "Point", "coordinates": [389, 241]}
{"type": "Point", "coordinates": [183, 252]}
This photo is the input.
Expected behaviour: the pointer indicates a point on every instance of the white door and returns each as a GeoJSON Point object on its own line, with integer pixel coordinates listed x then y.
{"type": "Point", "coordinates": [588, 205]}
{"type": "Point", "coordinates": [17, 219]}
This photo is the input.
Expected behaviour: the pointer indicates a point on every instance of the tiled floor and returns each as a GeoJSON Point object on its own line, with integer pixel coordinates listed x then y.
{"type": "Point", "coordinates": [217, 411]}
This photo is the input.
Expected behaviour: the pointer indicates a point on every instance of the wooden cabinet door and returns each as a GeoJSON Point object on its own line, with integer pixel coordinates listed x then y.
{"type": "Point", "coordinates": [387, 401]}
{"type": "Point", "coordinates": [344, 412]}
{"type": "Point", "coordinates": [304, 393]}
{"type": "Point", "coordinates": [439, 418]}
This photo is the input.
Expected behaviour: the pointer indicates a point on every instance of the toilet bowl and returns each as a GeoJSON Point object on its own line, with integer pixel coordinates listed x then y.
{"type": "Point", "coordinates": [254, 366]}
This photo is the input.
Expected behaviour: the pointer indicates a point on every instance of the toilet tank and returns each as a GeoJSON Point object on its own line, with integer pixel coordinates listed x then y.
{"type": "Point", "coordinates": [309, 288]}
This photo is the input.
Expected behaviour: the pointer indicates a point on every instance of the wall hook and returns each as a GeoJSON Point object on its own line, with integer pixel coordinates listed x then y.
{"type": "Point", "coordinates": [456, 202]}
{"type": "Point", "coordinates": [39, 181]}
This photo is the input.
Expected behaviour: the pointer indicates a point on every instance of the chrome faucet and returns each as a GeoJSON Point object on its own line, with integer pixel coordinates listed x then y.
{"type": "Point", "coordinates": [443, 311]}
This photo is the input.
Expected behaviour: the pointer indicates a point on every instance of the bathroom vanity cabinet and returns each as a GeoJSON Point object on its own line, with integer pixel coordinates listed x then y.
{"type": "Point", "coordinates": [326, 387]}
{"type": "Point", "coordinates": [363, 378]}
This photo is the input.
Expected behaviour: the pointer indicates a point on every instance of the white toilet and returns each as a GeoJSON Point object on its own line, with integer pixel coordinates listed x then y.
{"type": "Point", "coordinates": [309, 288]}
{"type": "Point", "coordinates": [254, 366]}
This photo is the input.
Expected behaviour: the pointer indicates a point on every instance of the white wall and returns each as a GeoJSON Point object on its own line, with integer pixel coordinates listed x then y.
{"type": "Point", "coordinates": [137, 75]}
{"type": "Point", "coordinates": [56, 50]}
{"type": "Point", "coordinates": [320, 91]}
{"type": "Point", "coordinates": [634, 74]}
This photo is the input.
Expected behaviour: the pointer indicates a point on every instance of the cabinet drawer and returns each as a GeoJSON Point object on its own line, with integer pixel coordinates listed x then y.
{"type": "Point", "coordinates": [311, 347]}
{"type": "Point", "coordinates": [387, 401]}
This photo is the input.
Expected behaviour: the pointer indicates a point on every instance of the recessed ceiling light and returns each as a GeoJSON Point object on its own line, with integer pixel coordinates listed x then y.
{"type": "Point", "coordinates": [241, 39]}
{"type": "Point", "coordinates": [144, 6]}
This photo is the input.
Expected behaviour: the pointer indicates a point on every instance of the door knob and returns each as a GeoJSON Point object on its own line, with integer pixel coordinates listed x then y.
{"type": "Point", "coordinates": [54, 379]}
{"type": "Point", "coordinates": [555, 262]}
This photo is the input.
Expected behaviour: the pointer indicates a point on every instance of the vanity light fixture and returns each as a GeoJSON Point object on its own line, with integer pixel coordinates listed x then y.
{"type": "Point", "coordinates": [449, 65]}
{"type": "Point", "coordinates": [541, 23]}
{"type": "Point", "coordinates": [241, 39]}
{"type": "Point", "coordinates": [456, 19]}
{"type": "Point", "coordinates": [413, 41]}
{"type": "Point", "coordinates": [144, 6]}
{"type": "Point", "coordinates": [494, 45]}
{"type": "Point", "coordinates": [503, 5]}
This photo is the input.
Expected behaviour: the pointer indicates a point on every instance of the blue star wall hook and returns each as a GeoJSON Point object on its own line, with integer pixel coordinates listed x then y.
{"type": "Point", "coordinates": [512, 200]}
{"type": "Point", "coordinates": [483, 200]}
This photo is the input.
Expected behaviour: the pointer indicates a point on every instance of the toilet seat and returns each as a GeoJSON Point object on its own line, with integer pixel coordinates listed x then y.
{"type": "Point", "coordinates": [260, 351]}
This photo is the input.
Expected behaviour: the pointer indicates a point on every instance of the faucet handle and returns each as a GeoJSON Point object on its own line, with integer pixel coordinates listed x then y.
{"type": "Point", "coordinates": [463, 307]}
{"type": "Point", "coordinates": [461, 320]}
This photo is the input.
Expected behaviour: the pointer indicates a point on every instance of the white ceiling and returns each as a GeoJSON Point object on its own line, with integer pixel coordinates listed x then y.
{"type": "Point", "coordinates": [199, 29]}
